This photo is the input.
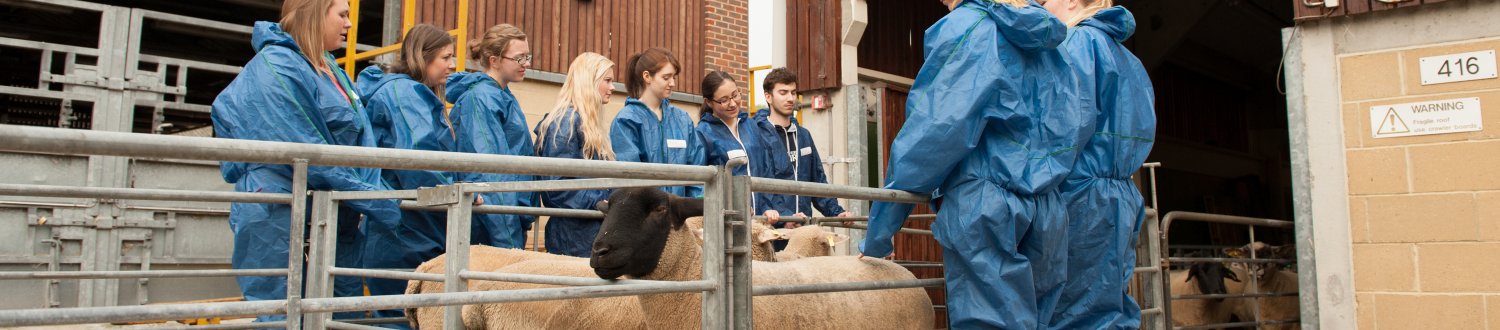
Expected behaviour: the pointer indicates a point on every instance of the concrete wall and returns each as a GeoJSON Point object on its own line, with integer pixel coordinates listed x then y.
{"type": "Point", "coordinates": [1423, 212]}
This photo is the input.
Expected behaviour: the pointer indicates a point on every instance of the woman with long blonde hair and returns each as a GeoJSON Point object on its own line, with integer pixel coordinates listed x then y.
{"type": "Point", "coordinates": [1105, 209]}
{"type": "Point", "coordinates": [291, 91]}
{"type": "Point", "coordinates": [575, 129]}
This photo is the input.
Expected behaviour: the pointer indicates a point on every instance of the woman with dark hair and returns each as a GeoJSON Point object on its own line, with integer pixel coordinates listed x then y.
{"type": "Point", "coordinates": [291, 92]}
{"type": "Point", "coordinates": [649, 129]}
{"type": "Point", "coordinates": [724, 128]}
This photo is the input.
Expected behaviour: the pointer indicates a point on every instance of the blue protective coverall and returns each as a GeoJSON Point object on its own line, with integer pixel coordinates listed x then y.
{"type": "Point", "coordinates": [719, 144]}
{"type": "Point", "coordinates": [488, 120]}
{"type": "Point", "coordinates": [405, 114]}
{"type": "Point", "coordinates": [280, 97]}
{"type": "Point", "coordinates": [805, 164]}
{"type": "Point", "coordinates": [1104, 206]}
{"type": "Point", "coordinates": [563, 138]}
{"type": "Point", "coordinates": [638, 136]}
{"type": "Point", "coordinates": [993, 124]}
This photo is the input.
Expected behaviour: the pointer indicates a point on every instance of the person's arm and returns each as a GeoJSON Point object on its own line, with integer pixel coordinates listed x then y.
{"type": "Point", "coordinates": [625, 139]}
{"type": "Point", "coordinates": [557, 143]}
{"type": "Point", "coordinates": [958, 88]}
{"type": "Point", "coordinates": [412, 127]}
{"type": "Point", "coordinates": [477, 130]}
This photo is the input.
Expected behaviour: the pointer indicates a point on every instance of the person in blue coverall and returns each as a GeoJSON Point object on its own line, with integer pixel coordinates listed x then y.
{"type": "Point", "coordinates": [488, 120]}
{"type": "Point", "coordinates": [575, 130]}
{"type": "Point", "coordinates": [292, 92]}
{"type": "Point", "coordinates": [726, 131]}
{"type": "Point", "coordinates": [406, 113]}
{"type": "Point", "coordinates": [649, 129]}
{"type": "Point", "coordinates": [788, 153]}
{"type": "Point", "coordinates": [993, 123]}
{"type": "Point", "coordinates": [1105, 209]}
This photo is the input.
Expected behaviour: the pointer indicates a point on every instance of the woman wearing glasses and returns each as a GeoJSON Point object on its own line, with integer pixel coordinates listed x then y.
{"type": "Point", "coordinates": [487, 119]}
{"type": "Point", "coordinates": [723, 128]}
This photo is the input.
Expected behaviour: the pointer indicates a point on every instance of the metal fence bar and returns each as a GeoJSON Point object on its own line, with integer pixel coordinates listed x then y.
{"type": "Point", "coordinates": [324, 305]}
{"type": "Point", "coordinates": [458, 255]}
{"type": "Point", "coordinates": [548, 279]}
{"type": "Point", "coordinates": [1236, 295]}
{"type": "Point", "coordinates": [236, 326]}
{"type": "Point", "coordinates": [778, 186]}
{"type": "Point", "coordinates": [770, 290]}
{"type": "Point", "coordinates": [902, 230]}
{"type": "Point", "coordinates": [141, 194]}
{"type": "Point", "coordinates": [324, 236]}
{"type": "Point", "coordinates": [377, 194]}
{"type": "Point", "coordinates": [572, 184]}
{"type": "Point", "coordinates": [78, 315]}
{"type": "Point", "coordinates": [297, 241]}
{"type": "Point", "coordinates": [716, 303]}
{"type": "Point", "coordinates": [388, 274]}
{"type": "Point", "coordinates": [103, 143]}
{"type": "Point", "coordinates": [741, 296]}
{"type": "Point", "coordinates": [819, 220]}
{"type": "Point", "coordinates": [120, 274]}
{"type": "Point", "coordinates": [1244, 260]}
{"type": "Point", "coordinates": [503, 209]}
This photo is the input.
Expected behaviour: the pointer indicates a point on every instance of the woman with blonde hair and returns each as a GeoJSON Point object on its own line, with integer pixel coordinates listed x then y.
{"type": "Point", "coordinates": [292, 92]}
{"type": "Point", "coordinates": [1105, 209]}
{"type": "Point", "coordinates": [993, 124]}
{"type": "Point", "coordinates": [575, 129]}
{"type": "Point", "coordinates": [489, 120]}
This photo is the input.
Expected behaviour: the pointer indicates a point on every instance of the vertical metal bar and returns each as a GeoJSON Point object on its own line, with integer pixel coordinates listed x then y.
{"type": "Point", "coordinates": [459, 215]}
{"type": "Point", "coordinates": [350, 49]}
{"type": "Point", "coordinates": [324, 238]}
{"type": "Point", "coordinates": [1254, 279]}
{"type": "Point", "coordinates": [1154, 203]}
{"type": "Point", "coordinates": [1164, 261]}
{"type": "Point", "coordinates": [142, 294]}
{"type": "Point", "coordinates": [54, 298]}
{"type": "Point", "coordinates": [739, 203]}
{"type": "Point", "coordinates": [295, 246]}
{"type": "Point", "coordinates": [462, 46]}
{"type": "Point", "coordinates": [1160, 297]}
{"type": "Point", "coordinates": [714, 302]}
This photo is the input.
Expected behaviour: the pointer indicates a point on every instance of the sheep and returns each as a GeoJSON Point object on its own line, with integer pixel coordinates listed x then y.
{"type": "Point", "coordinates": [582, 313]}
{"type": "Point", "coordinates": [761, 250]}
{"type": "Point", "coordinates": [1201, 278]}
{"type": "Point", "coordinates": [1269, 278]}
{"type": "Point", "coordinates": [809, 241]}
{"type": "Point", "coordinates": [644, 237]}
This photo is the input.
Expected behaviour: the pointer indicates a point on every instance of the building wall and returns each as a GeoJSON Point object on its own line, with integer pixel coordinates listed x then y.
{"type": "Point", "coordinates": [1423, 212]}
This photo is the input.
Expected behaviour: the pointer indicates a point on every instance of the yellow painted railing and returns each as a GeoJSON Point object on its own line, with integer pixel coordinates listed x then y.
{"type": "Point", "coordinates": [408, 19]}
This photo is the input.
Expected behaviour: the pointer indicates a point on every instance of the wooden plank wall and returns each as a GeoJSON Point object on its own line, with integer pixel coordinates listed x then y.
{"type": "Point", "coordinates": [813, 42]}
{"type": "Point", "coordinates": [893, 41]}
{"type": "Point", "coordinates": [560, 30]}
{"type": "Point", "coordinates": [910, 246]}
{"type": "Point", "coordinates": [1349, 7]}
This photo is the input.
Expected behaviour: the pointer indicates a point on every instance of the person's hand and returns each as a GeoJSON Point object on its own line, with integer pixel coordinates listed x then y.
{"type": "Point", "coordinates": [478, 200]}
{"type": "Point", "coordinates": [876, 248]}
{"type": "Point", "coordinates": [772, 217]}
{"type": "Point", "coordinates": [846, 214]}
{"type": "Point", "coordinates": [794, 225]}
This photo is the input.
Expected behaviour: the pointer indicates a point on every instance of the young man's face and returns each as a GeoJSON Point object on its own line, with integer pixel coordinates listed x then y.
{"type": "Point", "coordinates": [783, 98]}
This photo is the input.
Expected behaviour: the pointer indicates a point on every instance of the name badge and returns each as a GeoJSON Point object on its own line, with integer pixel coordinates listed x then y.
{"type": "Point", "coordinates": [806, 151]}
{"type": "Point", "coordinates": [676, 144]}
{"type": "Point", "coordinates": [736, 153]}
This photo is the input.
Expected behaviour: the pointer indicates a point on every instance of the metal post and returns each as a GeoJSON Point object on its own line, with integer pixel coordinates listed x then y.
{"type": "Point", "coordinates": [1159, 277]}
{"type": "Point", "coordinates": [324, 239]}
{"type": "Point", "coordinates": [715, 301]}
{"type": "Point", "coordinates": [295, 252]}
{"type": "Point", "coordinates": [739, 197]}
{"type": "Point", "coordinates": [458, 254]}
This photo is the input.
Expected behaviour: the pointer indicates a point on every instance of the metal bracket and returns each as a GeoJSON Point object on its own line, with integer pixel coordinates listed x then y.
{"type": "Point", "coordinates": [440, 195]}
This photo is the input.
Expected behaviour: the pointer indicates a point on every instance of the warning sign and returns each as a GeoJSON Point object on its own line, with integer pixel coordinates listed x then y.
{"type": "Point", "coordinates": [1426, 118]}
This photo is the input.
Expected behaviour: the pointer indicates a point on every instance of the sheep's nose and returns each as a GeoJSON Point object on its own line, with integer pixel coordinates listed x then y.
{"type": "Point", "coordinates": [600, 251]}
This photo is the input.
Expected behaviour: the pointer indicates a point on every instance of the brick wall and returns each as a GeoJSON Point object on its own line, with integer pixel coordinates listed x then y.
{"type": "Point", "coordinates": [726, 40]}
{"type": "Point", "coordinates": [1424, 210]}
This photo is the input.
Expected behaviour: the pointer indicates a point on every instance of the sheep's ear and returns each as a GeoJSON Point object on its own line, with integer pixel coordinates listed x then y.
{"type": "Point", "coordinates": [767, 236]}
{"type": "Point", "coordinates": [602, 206]}
{"type": "Point", "coordinates": [686, 207]}
{"type": "Point", "coordinates": [698, 233]}
{"type": "Point", "coordinates": [834, 239]}
{"type": "Point", "coordinates": [1230, 274]}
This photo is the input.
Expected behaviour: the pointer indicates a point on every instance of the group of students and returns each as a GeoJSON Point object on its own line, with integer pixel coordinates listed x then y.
{"type": "Point", "coordinates": [292, 91]}
{"type": "Point", "coordinates": [1025, 124]}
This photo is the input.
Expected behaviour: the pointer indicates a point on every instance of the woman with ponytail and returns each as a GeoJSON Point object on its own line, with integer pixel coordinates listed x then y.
{"type": "Point", "coordinates": [488, 120]}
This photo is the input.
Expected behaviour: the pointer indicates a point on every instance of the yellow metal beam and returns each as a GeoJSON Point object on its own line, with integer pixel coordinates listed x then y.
{"type": "Point", "coordinates": [461, 50]}
{"type": "Point", "coordinates": [408, 15]}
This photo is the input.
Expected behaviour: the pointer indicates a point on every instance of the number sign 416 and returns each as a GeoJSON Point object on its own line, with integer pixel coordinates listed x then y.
{"type": "Point", "coordinates": [1458, 67]}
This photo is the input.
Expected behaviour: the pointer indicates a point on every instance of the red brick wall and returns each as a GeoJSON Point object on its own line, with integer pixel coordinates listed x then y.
{"type": "Point", "coordinates": [726, 39]}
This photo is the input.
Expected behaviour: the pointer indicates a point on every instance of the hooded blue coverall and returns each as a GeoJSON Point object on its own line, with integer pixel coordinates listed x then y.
{"type": "Point", "coordinates": [638, 136]}
{"type": "Point", "coordinates": [562, 138]}
{"type": "Point", "coordinates": [280, 97]}
{"type": "Point", "coordinates": [1105, 208]}
{"type": "Point", "coordinates": [805, 164]}
{"type": "Point", "coordinates": [993, 124]}
{"type": "Point", "coordinates": [488, 120]}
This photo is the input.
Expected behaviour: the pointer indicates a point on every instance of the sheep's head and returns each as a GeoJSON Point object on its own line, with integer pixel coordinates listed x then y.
{"type": "Point", "coordinates": [1262, 251]}
{"type": "Point", "coordinates": [1211, 277]}
{"type": "Point", "coordinates": [636, 224]}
